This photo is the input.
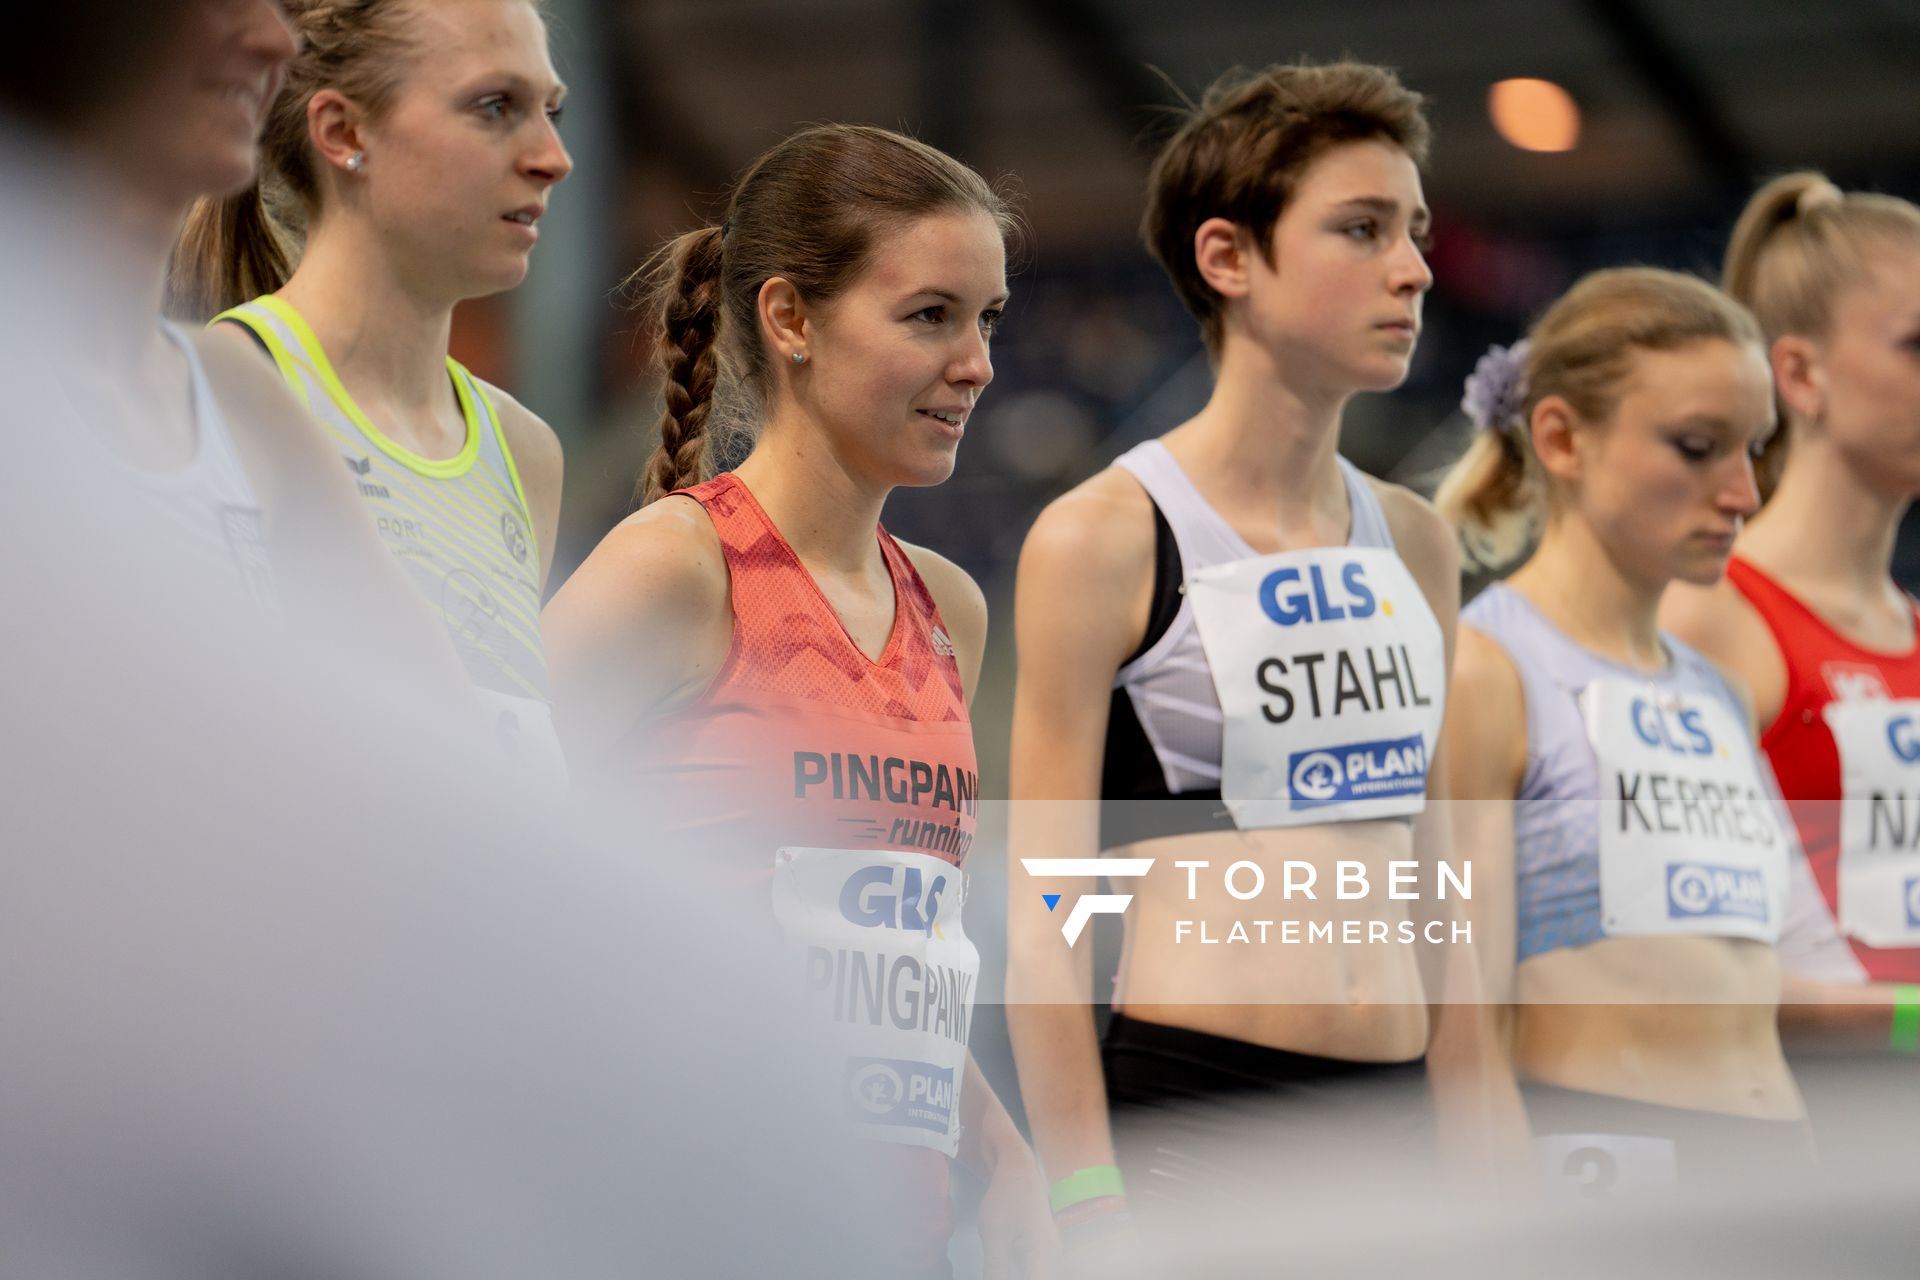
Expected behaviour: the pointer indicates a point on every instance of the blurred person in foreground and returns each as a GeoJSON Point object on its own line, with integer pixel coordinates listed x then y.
{"type": "Point", "coordinates": [264, 1014]}
{"type": "Point", "coordinates": [105, 396]}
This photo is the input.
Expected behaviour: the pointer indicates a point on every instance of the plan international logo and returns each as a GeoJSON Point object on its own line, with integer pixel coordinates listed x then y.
{"type": "Point", "coordinates": [1090, 904]}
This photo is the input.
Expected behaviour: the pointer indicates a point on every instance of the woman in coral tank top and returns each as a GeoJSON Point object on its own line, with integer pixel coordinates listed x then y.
{"type": "Point", "coordinates": [785, 682]}
{"type": "Point", "coordinates": [1809, 615]}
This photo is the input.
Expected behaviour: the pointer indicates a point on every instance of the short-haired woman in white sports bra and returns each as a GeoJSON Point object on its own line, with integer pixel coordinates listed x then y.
{"type": "Point", "coordinates": [1243, 641]}
{"type": "Point", "coordinates": [1632, 856]}
{"type": "Point", "coordinates": [415, 146]}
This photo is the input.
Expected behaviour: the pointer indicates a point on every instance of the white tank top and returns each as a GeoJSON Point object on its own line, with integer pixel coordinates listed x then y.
{"type": "Point", "coordinates": [209, 501]}
{"type": "Point", "coordinates": [1170, 685]}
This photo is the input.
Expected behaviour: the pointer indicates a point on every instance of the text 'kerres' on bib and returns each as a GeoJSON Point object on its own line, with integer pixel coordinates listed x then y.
{"type": "Point", "coordinates": [889, 969]}
{"type": "Point", "coordinates": [1690, 838]}
{"type": "Point", "coordinates": [1331, 673]}
{"type": "Point", "coordinates": [1879, 745]}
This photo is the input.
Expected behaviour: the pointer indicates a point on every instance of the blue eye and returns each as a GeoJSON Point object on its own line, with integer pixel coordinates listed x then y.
{"type": "Point", "coordinates": [494, 108]}
{"type": "Point", "coordinates": [1365, 230]}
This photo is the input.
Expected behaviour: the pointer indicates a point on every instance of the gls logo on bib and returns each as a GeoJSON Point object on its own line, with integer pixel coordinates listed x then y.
{"type": "Point", "coordinates": [869, 899]}
{"type": "Point", "coordinates": [1900, 737]}
{"type": "Point", "coordinates": [1310, 603]}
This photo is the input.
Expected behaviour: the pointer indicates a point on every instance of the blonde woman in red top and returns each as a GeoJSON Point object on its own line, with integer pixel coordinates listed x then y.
{"type": "Point", "coordinates": [1809, 616]}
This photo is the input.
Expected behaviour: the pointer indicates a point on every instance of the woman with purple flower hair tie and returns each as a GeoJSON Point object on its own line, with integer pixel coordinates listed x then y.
{"type": "Point", "coordinates": [1628, 898]}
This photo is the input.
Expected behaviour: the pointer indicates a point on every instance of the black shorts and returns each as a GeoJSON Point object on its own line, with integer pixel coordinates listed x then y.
{"type": "Point", "coordinates": [1210, 1123]}
{"type": "Point", "coordinates": [1598, 1147]}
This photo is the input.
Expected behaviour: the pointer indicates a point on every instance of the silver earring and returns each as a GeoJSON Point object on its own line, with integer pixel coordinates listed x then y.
{"type": "Point", "coordinates": [356, 162]}
{"type": "Point", "coordinates": [799, 357]}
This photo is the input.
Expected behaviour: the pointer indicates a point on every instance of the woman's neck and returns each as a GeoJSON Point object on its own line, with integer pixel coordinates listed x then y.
{"type": "Point", "coordinates": [105, 245]}
{"type": "Point", "coordinates": [1574, 581]}
{"type": "Point", "coordinates": [1261, 444]}
{"type": "Point", "coordinates": [385, 339]}
{"type": "Point", "coordinates": [1852, 550]}
{"type": "Point", "coordinates": [823, 510]}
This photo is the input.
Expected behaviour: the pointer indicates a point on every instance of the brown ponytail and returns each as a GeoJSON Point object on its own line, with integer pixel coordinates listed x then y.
{"type": "Point", "coordinates": [1798, 243]}
{"type": "Point", "coordinates": [686, 297]}
{"type": "Point", "coordinates": [230, 251]}
{"type": "Point", "coordinates": [808, 211]}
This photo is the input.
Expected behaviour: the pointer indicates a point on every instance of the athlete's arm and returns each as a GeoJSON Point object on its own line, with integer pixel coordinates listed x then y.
{"type": "Point", "coordinates": [541, 466]}
{"type": "Point", "coordinates": [639, 629]}
{"type": "Point", "coordinates": [1488, 750]}
{"type": "Point", "coordinates": [1485, 740]}
{"type": "Point", "coordinates": [1469, 1071]}
{"type": "Point", "coordinates": [326, 555]}
{"type": "Point", "coordinates": [1080, 608]}
{"type": "Point", "coordinates": [962, 608]}
{"type": "Point", "coordinates": [1723, 624]}
{"type": "Point", "coordinates": [1013, 1217]}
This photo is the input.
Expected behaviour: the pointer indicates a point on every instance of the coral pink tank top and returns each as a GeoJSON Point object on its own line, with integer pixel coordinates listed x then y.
{"type": "Point", "coordinates": [804, 741]}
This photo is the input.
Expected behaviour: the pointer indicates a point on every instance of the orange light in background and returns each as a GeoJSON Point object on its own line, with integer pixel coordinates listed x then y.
{"type": "Point", "coordinates": [1534, 115]}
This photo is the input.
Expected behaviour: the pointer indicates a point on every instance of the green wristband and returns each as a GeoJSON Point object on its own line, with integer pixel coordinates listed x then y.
{"type": "Point", "coordinates": [1090, 1184]}
{"type": "Point", "coordinates": [1905, 1037]}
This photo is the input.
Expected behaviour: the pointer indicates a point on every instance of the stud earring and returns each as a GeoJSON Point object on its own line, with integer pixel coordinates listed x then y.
{"type": "Point", "coordinates": [799, 357]}
{"type": "Point", "coordinates": [356, 162]}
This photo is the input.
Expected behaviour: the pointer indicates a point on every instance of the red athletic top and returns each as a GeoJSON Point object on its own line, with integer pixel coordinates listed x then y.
{"type": "Point", "coordinates": [1824, 666]}
{"type": "Point", "coordinates": [802, 740]}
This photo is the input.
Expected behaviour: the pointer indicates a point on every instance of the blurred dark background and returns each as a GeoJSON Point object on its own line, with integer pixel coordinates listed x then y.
{"type": "Point", "coordinates": [1683, 106]}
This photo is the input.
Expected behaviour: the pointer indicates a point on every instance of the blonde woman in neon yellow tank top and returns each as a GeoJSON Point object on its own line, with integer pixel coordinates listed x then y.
{"type": "Point", "coordinates": [414, 183]}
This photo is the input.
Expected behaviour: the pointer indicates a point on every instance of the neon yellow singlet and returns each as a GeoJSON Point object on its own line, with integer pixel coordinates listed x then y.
{"type": "Point", "coordinates": [459, 526]}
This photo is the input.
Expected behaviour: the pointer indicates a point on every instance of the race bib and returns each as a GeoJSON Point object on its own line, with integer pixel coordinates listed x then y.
{"type": "Point", "coordinates": [1331, 674]}
{"type": "Point", "coordinates": [1607, 1166]}
{"type": "Point", "coordinates": [522, 731]}
{"type": "Point", "coordinates": [888, 967]}
{"type": "Point", "coordinates": [1879, 746]}
{"type": "Point", "coordinates": [1690, 839]}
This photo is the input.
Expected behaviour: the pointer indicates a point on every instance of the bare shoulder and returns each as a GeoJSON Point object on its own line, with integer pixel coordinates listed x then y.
{"type": "Point", "coordinates": [1488, 747]}
{"type": "Point", "coordinates": [1483, 670]}
{"type": "Point", "coordinates": [536, 448]}
{"type": "Point", "coordinates": [1100, 532]}
{"type": "Point", "coordinates": [1718, 620]}
{"type": "Point", "coordinates": [961, 602]}
{"type": "Point", "coordinates": [242, 374]}
{"type": "Point", "coordinates": [1424, 541]}
{"type": "Point", "coordinates": [665, 555]}
{"type": "Point", "coordinates": [285, 451]}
